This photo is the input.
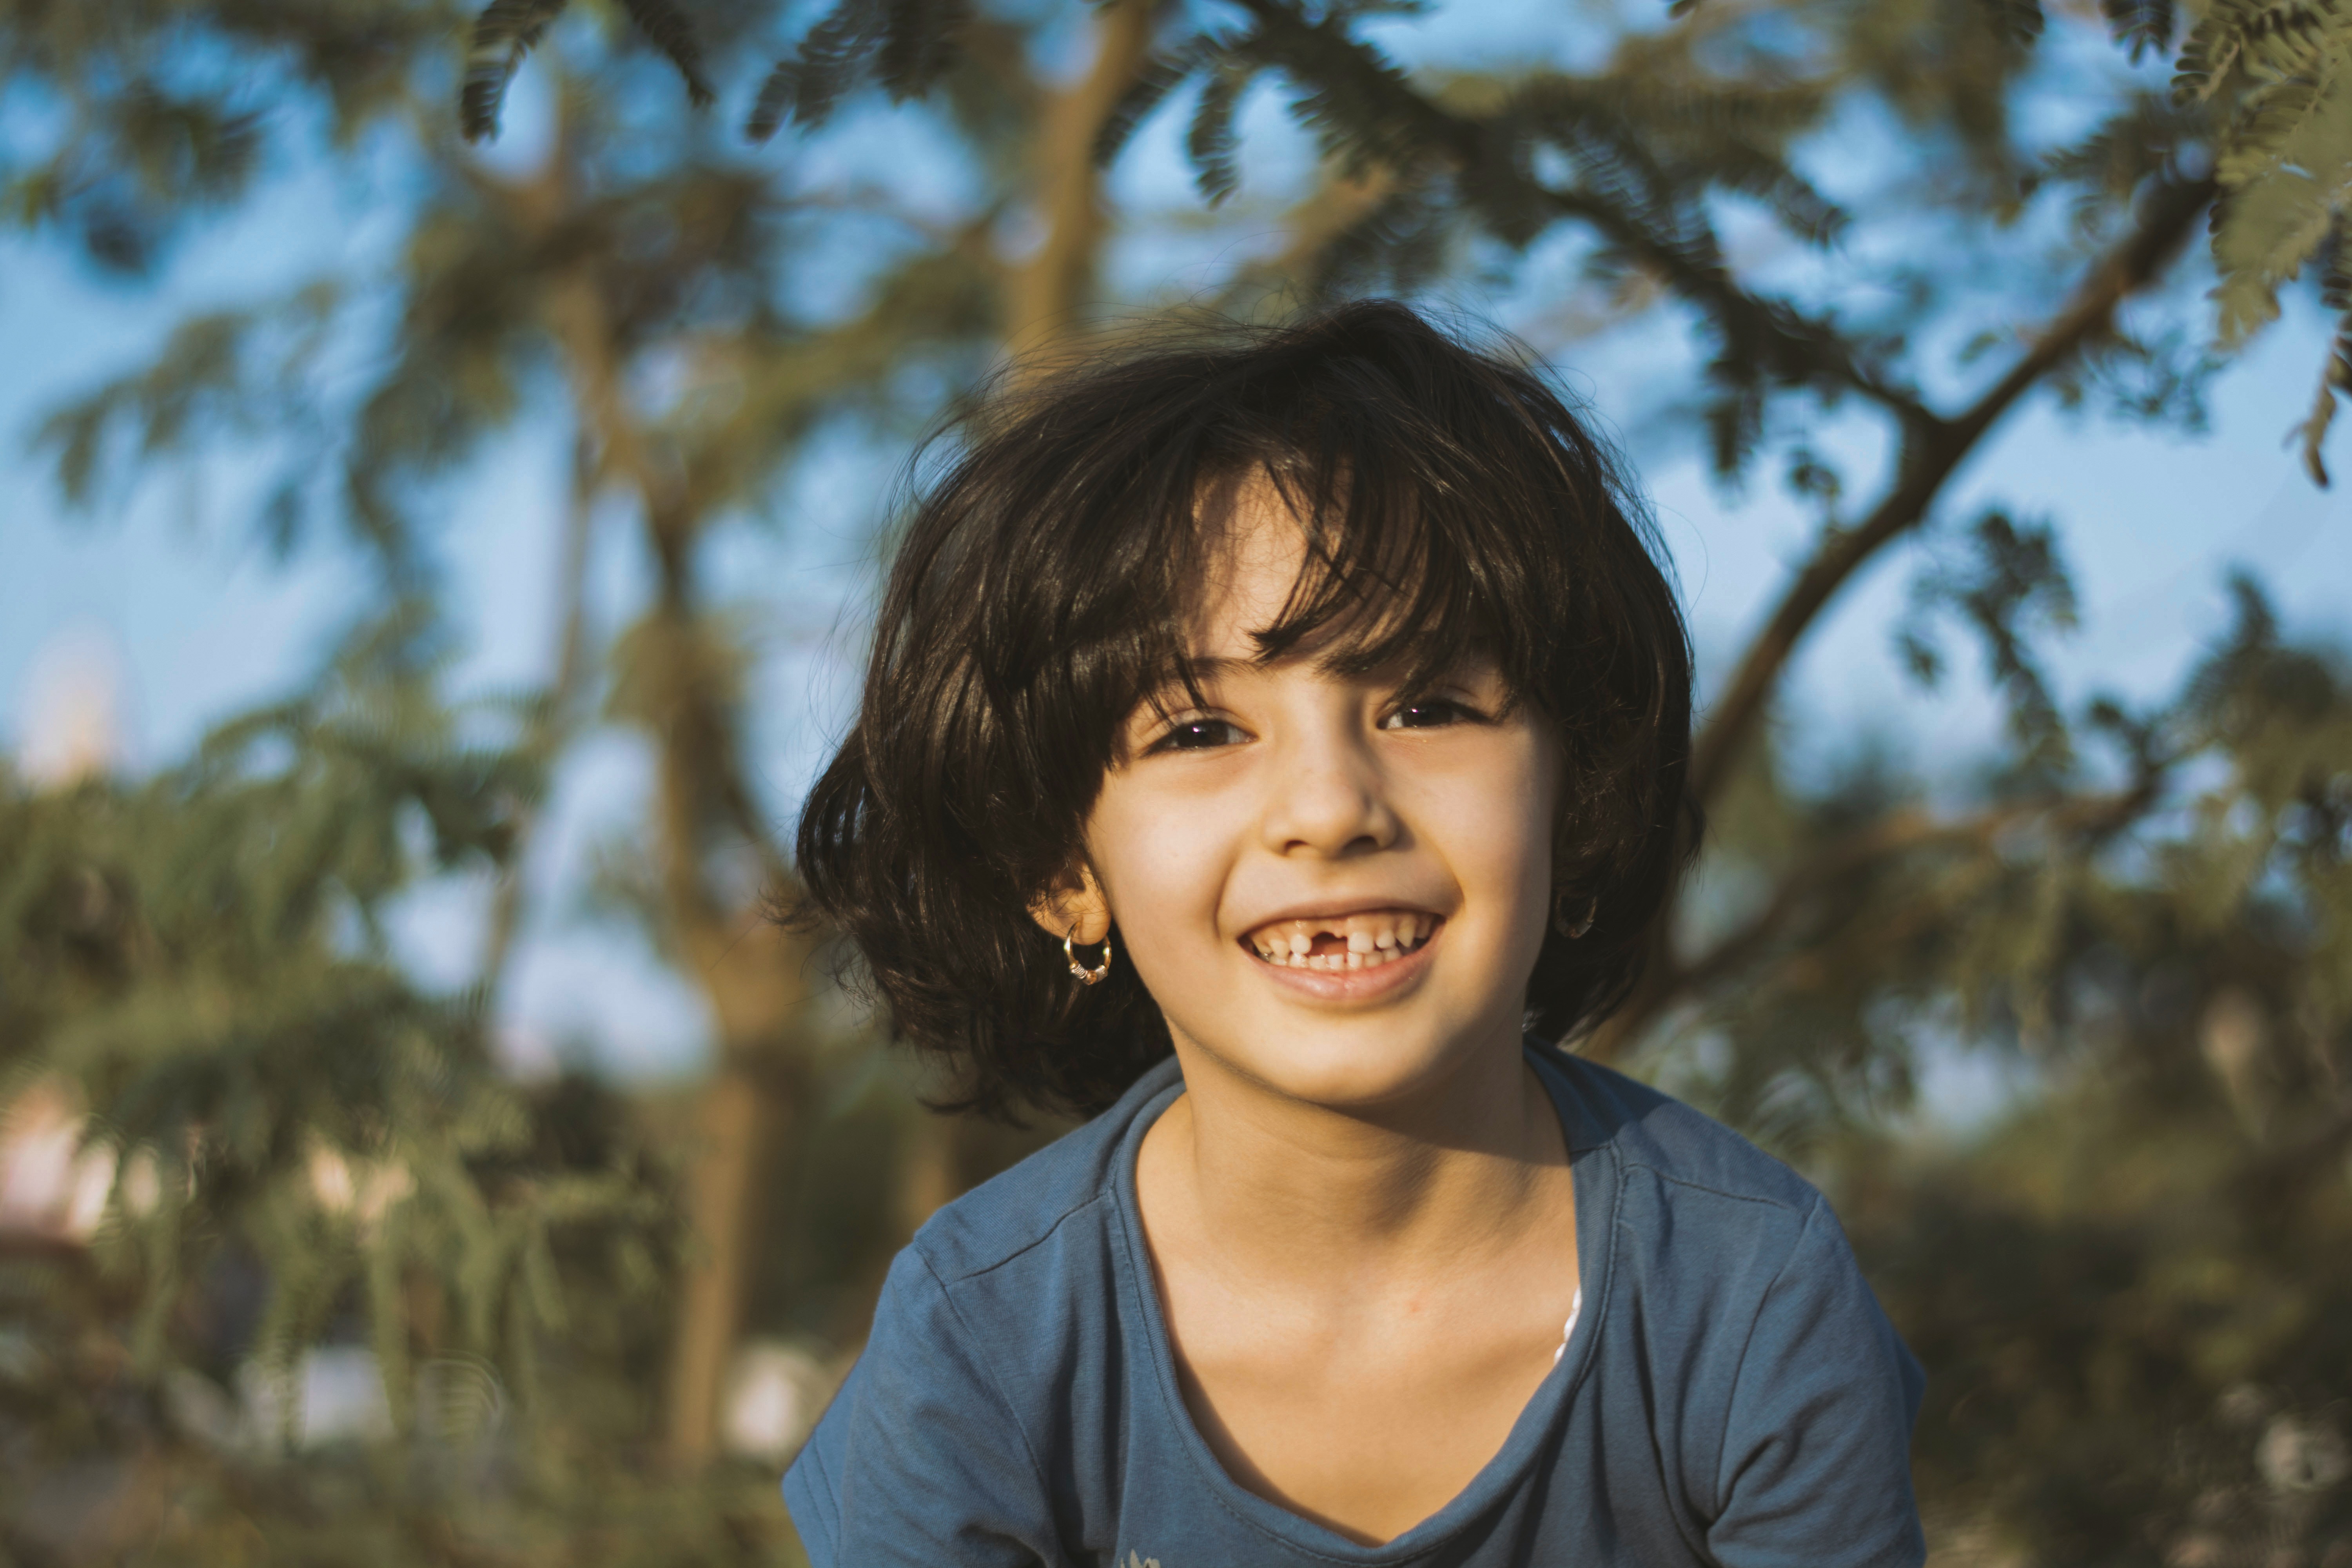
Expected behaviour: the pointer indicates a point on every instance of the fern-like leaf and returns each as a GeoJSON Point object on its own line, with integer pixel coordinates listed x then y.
{"type": "Point", "coordinates": [2312, 434]}
{"type": "Point", "coordinates": [2208, 52]}
{"type": "Point", "coordinates": [2288, 36]}
{"type": "Point", "coordinates": [2263, 135]}
{"type": "Point", "coordinates": [1793, 199]}
{"type": "Point", "coordinates": [1357, 102]}
{"type": "Point", "coordinates": [1211, 144]}
{"type": "Point", "coordinates": [831, 61]}
{"type": "Point", "coordinates": [503, 34]}
{"type": "Point", "coordinates": [2143, 27]}
{"type": "Point", "coordinates": [918, 38]}
{"type": "Point", "coordinates": [668, 29]}
{"type": "Point", "coordinates": [779, 96]}
{"type": "Point", "coordinates": [1393, 245]}
{"type": "Point", "coordinates": [2335, 293]}
{"type": "Point", "coordinates": [2272, 40]}
{"type": "Point", "coordinates": [1162, 74]}
{"type": "Point", "coordinates": [2262, 237]}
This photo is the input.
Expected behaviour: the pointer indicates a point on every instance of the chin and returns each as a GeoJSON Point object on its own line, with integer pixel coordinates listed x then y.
{"type": "Point", "coordinates": [1344, 1071]}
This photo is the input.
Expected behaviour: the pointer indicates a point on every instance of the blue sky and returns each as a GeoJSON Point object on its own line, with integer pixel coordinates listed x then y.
{"type": "Point", "coordinates": [200, 621]}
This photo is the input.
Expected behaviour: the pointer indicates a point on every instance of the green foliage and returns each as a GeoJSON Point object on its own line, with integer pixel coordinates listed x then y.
{"type": "Point", "coordinates": [111, 1469]}
{"type": "Point", "coordinates": [2145, 913]}
{"type": "Point", "coordinates": [906, 46]}
{"type": "Point", "coordinates": [2012, 590]}
{"type": "Point", "coordinates": [201, 957]}
{"type": "Point", "coordinates": [235, 373]}
{"type": "Point", "coordinates": [1666, 127]}
{"type": "Point", "coordinates": [2213, 836]}
{"type": "Point", "coordinates": [2128, 1287]}
{"type": "Point", "coordinates": [2157, 1242]}
{"type": "Point", "coordinates": [2124, 1260]}
{"type": "Point", "coordinates": [161, 104]}
{"type": "Point", "coordinates": [505, 32]}
{"type": "Point", "coordinates": [508, 30]}
{"type": "Point", "coordinates": [2143, 27]}
{"type": "Point", "coordinates": [2274, 75]}
{"type": "Point", "coordinates": [379, 1183]}
{"type": "Point", "coordinates": [1646, 147]}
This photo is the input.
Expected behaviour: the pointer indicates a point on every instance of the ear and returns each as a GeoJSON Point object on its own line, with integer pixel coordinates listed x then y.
{"type": "Point", "coordinates": [1073, 906]}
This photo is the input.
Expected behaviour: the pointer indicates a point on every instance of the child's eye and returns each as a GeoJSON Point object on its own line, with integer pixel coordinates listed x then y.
{"type": "Point", "coordinates": [1429, 712]}
{"type": "Point", "coordinates": [1199, 735]}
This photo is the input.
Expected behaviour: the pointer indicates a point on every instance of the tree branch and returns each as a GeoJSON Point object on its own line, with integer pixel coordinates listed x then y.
{"type": "Point", "coordinates": [1471, 146]}
{"type": "Point", "coordinates": [1901, 833]}
{"type": "Point", "coordinates": [1706, 281]}
{"type": "Point", "coordinates": [1931, 452]}
{"type": "Point", "coordinates": [1044, 294]}
{"type": "Point", "coordinates": [752, 971]}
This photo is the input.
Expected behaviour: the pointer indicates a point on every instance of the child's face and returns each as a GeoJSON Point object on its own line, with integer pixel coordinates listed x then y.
{"type": "Point", "coordinates": [1332, 888]}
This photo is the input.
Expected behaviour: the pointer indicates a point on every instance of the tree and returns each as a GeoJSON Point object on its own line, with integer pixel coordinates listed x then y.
{"type": "Point", "coordinates": [573, 283]}
{"type": "Point", "coordinates": [199, 956]}
{"type": "Point", "coordinates": [2148, 903]}
{"type": "Point", "coordinates": [2035, 913]}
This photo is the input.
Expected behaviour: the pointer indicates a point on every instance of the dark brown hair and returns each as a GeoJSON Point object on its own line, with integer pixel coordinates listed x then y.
{"type": "Point", "coordinates": [1451, 502]}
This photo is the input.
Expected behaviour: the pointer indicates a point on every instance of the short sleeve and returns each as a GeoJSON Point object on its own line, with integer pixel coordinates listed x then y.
{"type": "Point", "coordinates": [919, 1462]}
{"type": "Point", "coordinates": [1816, 1466]}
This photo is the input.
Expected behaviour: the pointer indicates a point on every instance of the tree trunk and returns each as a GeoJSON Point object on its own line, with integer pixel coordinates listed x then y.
{"type": "Point", "coordinates": [1046, 295]}
{"type": "Point", "coordinates": [754, 1096]}
{"type": "Point", "coordinates": [1045, 298]}
{"type": "Point", "coordinates": [750, 972]}
{"type": "Point", "coordinates": [929, 1169]}
{"type": "Point", "coordinates": [710, 1286]}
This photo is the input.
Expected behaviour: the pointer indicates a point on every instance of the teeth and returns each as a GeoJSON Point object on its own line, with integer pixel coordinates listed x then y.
{"type": "Point", "coordinates": [1370, 941]}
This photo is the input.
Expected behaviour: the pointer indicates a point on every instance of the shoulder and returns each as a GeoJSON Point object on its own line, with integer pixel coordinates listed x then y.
{"type": "Point", "coordinates": [1023, 1209]}
{"type": "Point", "coordinates": [1686, 1152]}
{"type": "Point", "coordinates": [1702, 1217]}
{"type": "Point", "coordinates": [1006, 1299]}
{"type": "Point", "coordinates": [1770, 1373]}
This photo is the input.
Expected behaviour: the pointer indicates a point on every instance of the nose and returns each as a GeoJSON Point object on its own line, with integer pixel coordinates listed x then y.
{"type": "Point", "coordinates": [1326, 798]}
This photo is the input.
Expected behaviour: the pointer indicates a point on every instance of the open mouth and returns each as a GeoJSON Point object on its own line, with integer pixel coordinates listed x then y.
{"type": "Point", "coordinates": [1342, 942]}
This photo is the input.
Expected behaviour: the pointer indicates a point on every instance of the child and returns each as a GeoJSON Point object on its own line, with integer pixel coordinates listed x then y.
{"type": "Point", "coordinates": [1270, 744]}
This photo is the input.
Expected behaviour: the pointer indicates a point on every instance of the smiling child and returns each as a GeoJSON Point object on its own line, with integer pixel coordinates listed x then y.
{"type": "Point", "coordinates": [1272, 744]}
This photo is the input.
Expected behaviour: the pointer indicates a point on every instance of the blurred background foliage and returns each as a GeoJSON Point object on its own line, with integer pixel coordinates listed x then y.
{"type": "Point", "coordinates": [295, 1266]}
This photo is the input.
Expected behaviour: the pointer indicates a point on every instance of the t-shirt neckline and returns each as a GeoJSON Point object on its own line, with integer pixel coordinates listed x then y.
{"type": "Point", "coordinates": [1595, 1202]}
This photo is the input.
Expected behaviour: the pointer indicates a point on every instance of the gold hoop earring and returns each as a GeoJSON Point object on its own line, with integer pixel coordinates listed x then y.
{"type": "Point", "coordinates": [1099, 973]}
{"type": "Point", "coordinates": [1559, 922]}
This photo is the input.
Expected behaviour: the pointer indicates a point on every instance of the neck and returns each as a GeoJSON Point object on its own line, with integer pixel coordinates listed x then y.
{"type": "Point", "coordinates": [1385, 1192]}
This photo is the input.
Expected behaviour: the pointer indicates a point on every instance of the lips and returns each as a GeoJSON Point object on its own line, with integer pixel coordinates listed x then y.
{"type": "Point", "coordinates": [1363, 940]}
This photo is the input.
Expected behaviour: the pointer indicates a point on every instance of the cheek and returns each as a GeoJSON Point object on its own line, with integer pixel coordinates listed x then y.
{"type": "Point", "coordinates": [1160, 868]}
{"type": "Point", "coordinates": [1501, 819]}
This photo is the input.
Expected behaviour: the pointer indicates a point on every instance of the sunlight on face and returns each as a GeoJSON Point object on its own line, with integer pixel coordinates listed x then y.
{"type": "Point", "coordinates": [1334, 888]}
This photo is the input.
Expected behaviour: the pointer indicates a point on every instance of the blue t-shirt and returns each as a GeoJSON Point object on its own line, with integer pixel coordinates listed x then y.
{"type": "Point", "coordinates": [1730, 1394]}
